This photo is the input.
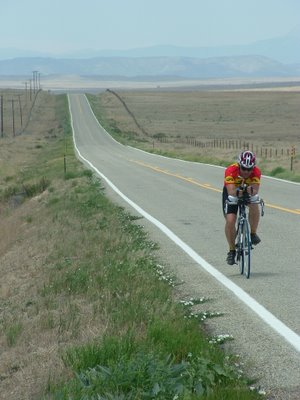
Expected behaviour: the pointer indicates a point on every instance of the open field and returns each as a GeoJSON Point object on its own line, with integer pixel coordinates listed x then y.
{"type": "Point", "coordinates": [209, 126]}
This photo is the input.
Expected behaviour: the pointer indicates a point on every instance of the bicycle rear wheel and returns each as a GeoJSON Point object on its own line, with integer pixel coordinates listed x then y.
{"type": "Point", "coordinates": [246, 250]}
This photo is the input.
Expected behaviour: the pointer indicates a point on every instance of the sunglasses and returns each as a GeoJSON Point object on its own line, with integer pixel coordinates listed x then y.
{"type": "Point", "coordinates": [246, 169]}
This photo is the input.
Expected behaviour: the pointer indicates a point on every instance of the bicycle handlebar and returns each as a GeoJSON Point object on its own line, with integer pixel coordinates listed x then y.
{"type": "Point", "coordinates": [251, 199]}
{"type": "Point", "coordinates": [234, 200]}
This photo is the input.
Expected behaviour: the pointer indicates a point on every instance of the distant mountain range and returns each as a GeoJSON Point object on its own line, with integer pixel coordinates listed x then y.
{"type": "Point", "coordinates": [285, 49]}
{"type": "Point", "coordinates": [143, 67]}
{"type": "Point", "coordinates": [278, 57]}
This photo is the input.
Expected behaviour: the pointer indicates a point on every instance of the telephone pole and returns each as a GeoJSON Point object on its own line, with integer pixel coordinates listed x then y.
{"type": "Point", "coordinates": [13, 117]}
{"type": "Point", "coordinates": [35, 80]}
{"type": "Point", "coordinates": [2, 115]}
{"type": "Point", "coordinates": [20, 106]}
{"type": "Point", "coordinates": [30, 89]}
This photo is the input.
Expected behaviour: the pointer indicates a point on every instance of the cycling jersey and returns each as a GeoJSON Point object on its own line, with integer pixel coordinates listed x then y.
{"type": "Point", "coordinates": [232, 176]}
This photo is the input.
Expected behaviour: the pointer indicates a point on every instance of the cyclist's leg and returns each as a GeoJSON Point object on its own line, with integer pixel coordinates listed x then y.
{"type": "Point", "coordinates": [230, 230]}
{"type": "Point", "coordinates": [230, 217]}
{"type": "Point", "coordinates": [253, 217]}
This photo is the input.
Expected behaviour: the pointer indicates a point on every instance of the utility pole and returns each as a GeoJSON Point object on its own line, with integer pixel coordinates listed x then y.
{"type": "Point", "coordinates": [1, 115]}
{"type": "Point", "coordinates": [25, 83]}
{"type": "Point", "coordinates": [35, 81]}
{"type": "Point", "coordinates": [13, 117]}
{"type": "Point", "coordinates": [20, 106]}
{"type": "Point", "coordinates": [30, 90]}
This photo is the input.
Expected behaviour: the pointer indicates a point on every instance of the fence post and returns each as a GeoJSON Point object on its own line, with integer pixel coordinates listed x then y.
{"type": "Point", "coordinates": [293, 152]}
{"type": "Point", "coordinates": [65, 164]}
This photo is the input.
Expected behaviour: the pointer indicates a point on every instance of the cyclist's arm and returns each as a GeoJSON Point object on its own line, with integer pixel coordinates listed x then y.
{"type": "Point", "coordinates": [231, 189]}
{"type": "Point", "coordinates": [253, 189]}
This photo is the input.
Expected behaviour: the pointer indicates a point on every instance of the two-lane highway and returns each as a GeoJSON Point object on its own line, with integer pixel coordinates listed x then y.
{"type": "Point", "coordinates": [181, 203]}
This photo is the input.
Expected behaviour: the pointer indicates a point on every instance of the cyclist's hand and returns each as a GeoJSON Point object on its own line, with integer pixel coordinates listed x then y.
{"type": "Point", "coordinates": [239, 192]}
{"type": "Point", "coordinates": [250, 190]}
{"type": "Point", "coordinates": [247, 197]}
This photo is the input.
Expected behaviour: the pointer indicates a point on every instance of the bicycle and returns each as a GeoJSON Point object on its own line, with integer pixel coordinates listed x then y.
{"type": "Point", "coordinates": [243, 237]}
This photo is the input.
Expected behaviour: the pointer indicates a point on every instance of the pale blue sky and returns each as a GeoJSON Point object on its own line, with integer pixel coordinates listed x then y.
{"type": "Point", "coordinates": [66, 25]}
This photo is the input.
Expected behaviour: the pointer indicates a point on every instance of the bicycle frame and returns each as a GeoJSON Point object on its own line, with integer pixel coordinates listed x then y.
{"type": "Point", "coordinates": [243, 237]}
{"type": "Point", "coordinates": [243, 243]}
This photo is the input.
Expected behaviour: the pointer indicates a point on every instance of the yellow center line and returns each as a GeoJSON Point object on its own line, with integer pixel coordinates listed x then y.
{"type": "Point", "coordinates": [183, 178]}
{"type": "Point", "coordinates": [295, 211]}
{"type": "Point", "coordinates": [205, 185]}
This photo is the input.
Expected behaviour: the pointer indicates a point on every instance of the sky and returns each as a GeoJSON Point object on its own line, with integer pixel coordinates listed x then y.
{"type": "Point", "coordinates": [59, 26]}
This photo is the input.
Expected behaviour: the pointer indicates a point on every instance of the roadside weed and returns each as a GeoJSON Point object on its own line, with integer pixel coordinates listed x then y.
{"type": "Point", "coordinates": [12, 332]}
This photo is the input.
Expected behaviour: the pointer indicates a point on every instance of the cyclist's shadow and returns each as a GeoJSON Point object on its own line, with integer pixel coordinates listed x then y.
{"type": "Point", "coordinates": [258, 274]}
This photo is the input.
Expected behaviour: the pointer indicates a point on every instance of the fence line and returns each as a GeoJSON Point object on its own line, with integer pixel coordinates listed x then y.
{"type": "Point", "coordinates": [128, 110]}
{"type": "Point", "coordinates": [265, 152]}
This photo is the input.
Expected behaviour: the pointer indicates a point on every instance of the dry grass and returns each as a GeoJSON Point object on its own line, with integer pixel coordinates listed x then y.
{"type": "Point", "coordinates": [29, 349]}
{"type": "Point", "coordinates": [46, 242]}
{"type": "Point", "coordinates": [264, 119]}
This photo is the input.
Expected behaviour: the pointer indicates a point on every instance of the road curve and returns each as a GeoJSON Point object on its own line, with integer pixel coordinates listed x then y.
{"type": "Point", "coordinates": [181, 205]}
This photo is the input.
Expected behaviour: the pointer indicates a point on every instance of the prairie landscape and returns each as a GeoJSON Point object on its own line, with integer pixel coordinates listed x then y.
{"type": "Point", "coordinates": [209, 126]}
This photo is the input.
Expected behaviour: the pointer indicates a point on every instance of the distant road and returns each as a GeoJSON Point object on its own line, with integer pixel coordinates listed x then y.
{"type": "Point", "coordinates": [181, 206]}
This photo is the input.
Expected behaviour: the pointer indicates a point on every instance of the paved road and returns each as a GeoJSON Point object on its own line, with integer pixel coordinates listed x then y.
{"type": "Point", "coordinates": [181, 206]}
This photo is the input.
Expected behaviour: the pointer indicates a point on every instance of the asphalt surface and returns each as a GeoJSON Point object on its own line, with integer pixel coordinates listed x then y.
{"type": "Point", "coordinates": [181, 207]}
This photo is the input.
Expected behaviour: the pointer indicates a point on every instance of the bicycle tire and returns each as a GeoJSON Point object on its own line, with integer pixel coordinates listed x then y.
{"type": "Point", "coordinates": [239, 249]}
{"type": "Point", "coordinates": [247, 250]}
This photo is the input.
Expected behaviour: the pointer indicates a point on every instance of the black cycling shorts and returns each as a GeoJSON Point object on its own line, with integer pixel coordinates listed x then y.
{"type": "Point", "coordinates": [231, 208]}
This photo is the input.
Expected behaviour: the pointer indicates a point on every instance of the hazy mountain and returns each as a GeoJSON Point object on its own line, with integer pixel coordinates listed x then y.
{"type": "Point", "coordinates": [9, 53]}
{"type": "Point", "coordinates": [182, 67]}
{"type": "Point", "coordinates": [278, 57]}
{"type": "Point", "coordinates": [285, 49]}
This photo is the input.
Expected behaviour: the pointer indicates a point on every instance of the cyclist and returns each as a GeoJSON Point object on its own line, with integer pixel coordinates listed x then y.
{"type": "Point", "coordinates": [243, 171]}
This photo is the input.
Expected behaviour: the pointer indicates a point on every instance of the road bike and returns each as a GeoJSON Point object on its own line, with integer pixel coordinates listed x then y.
{"type": "Point", "coordinates": [243, 236]}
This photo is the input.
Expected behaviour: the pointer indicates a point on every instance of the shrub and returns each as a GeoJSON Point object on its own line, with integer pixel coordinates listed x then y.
{"type": "Point", "coordinates": [277, 171]}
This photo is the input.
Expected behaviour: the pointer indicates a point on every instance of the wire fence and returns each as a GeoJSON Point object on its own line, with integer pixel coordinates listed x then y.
{"type": "Point", "coordinates": [262, 151]}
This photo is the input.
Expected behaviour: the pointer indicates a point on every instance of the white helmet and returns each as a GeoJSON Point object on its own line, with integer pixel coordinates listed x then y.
{"type": "Point", "coordinates": [247, 159]}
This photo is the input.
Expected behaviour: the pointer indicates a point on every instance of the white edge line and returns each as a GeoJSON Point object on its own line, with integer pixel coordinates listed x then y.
{"type": "Point", "coordinates": [278, 326]}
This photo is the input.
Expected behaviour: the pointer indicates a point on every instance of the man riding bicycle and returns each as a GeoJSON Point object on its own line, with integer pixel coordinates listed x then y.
{"type": "Point", "coordinates": [243, 171]}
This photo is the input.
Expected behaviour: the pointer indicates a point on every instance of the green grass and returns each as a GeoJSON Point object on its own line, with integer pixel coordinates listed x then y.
{"type": "Point", "coordinates": [12, 332]}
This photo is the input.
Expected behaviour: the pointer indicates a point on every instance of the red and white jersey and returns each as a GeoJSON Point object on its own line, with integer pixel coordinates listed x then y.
{"type": "Point", "coordinates": [232, 176]}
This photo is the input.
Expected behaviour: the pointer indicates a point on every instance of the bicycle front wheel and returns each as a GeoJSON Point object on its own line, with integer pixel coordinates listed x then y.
{"type": "Point", "coordinates": [246, 249]}
{"type": "Point", "coordinates": [240, 255]}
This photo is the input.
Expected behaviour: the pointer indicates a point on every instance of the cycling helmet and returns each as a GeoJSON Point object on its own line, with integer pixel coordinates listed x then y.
{"type": "Point", "coordinates": [247, 159]}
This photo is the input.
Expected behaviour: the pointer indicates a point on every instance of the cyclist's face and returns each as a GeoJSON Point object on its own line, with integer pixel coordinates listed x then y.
{"type": "Point", "coordinates": [244, 172]}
